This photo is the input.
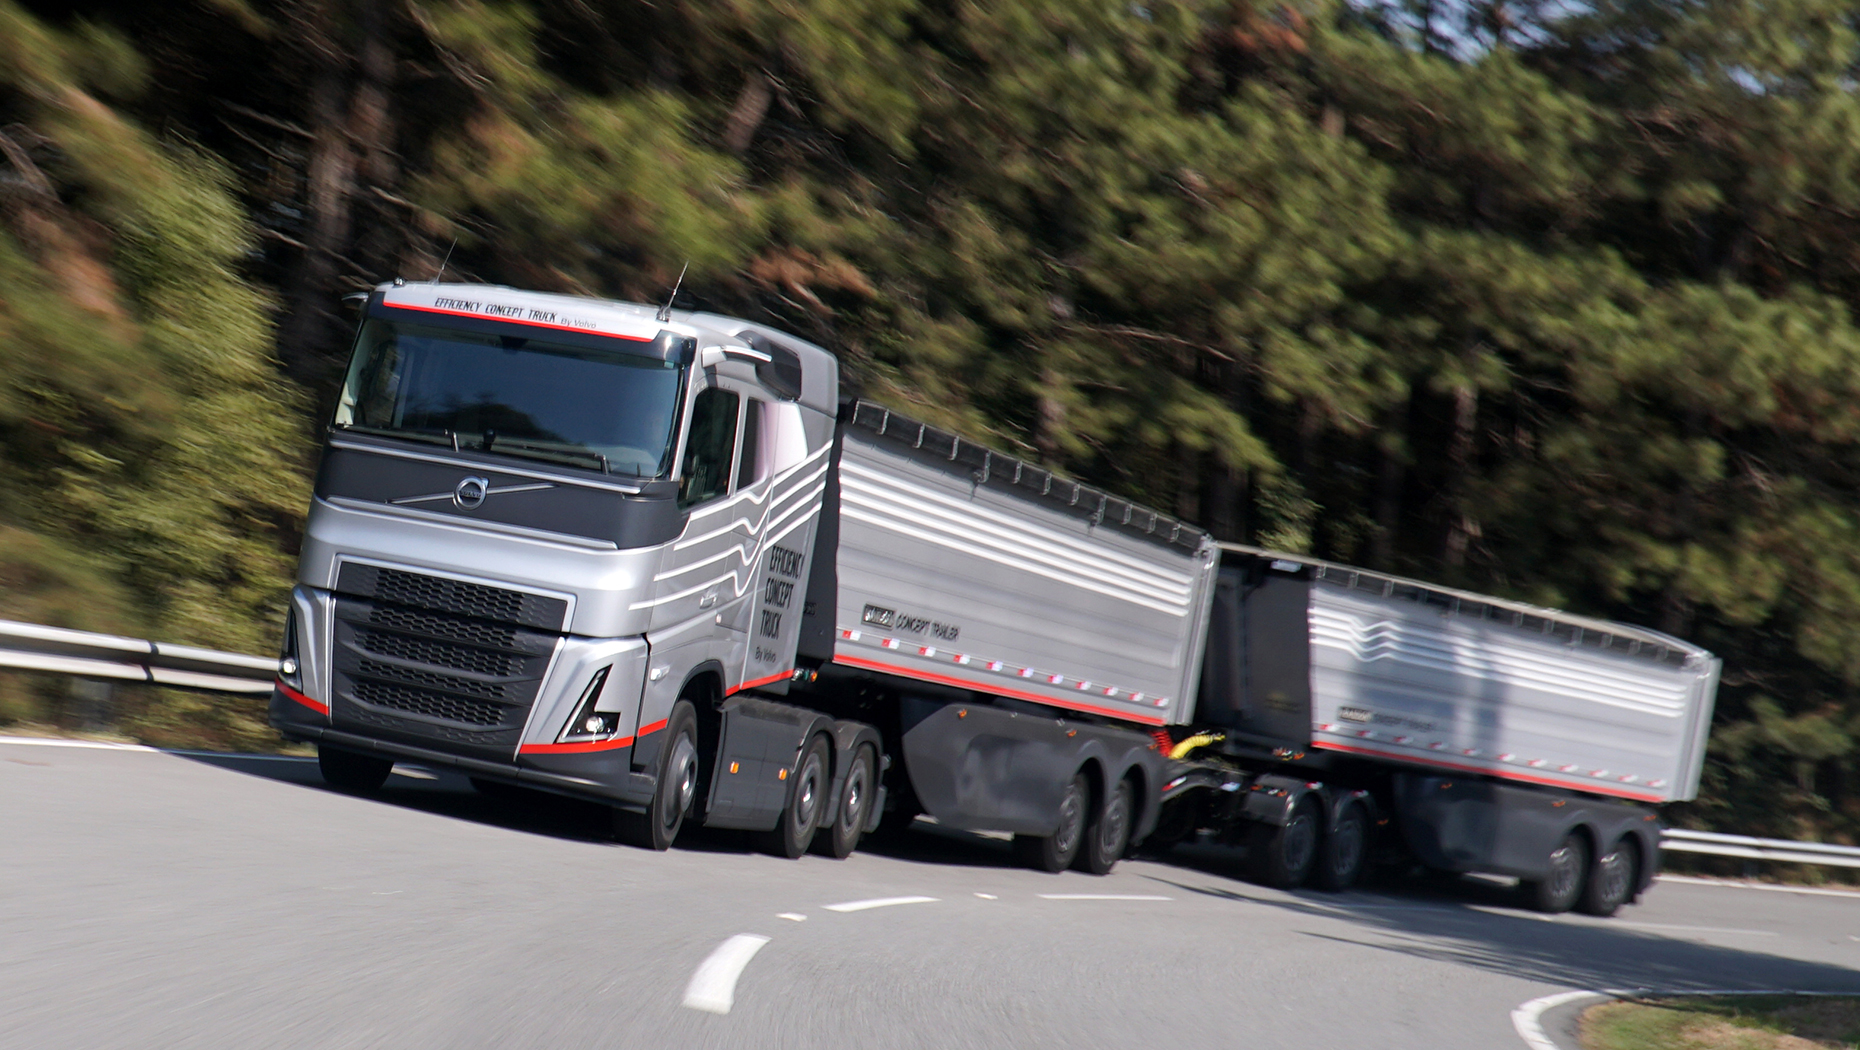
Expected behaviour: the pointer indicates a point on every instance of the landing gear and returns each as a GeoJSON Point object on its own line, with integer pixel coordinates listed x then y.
{"type": "Point", "coordinates": [1056, 852]}
{"type": "Point", "coordinates": [351, 770]}
{"type": "Point", "coordinates": [676, 790]}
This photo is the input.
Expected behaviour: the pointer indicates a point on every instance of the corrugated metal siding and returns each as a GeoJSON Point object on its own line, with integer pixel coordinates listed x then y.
{"type": "Point", "coordinates": [970, 585]}
{"type": "Point", "coordinates": [1405, 679]}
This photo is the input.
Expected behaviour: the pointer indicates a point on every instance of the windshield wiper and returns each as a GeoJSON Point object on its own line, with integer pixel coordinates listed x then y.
{"type": "Point", "coordinates": [444, 437]}
{"type": "Point", "coordinates": [573, 456]}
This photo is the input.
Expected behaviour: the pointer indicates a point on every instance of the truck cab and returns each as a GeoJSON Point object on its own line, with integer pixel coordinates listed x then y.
{"type": "Point", "coordinates": [539, 523]}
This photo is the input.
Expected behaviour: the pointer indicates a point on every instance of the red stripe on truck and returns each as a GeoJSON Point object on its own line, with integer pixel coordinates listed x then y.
{"type": "Point", "coordinates": [515, 320]}
{"type": "Point", "coordinates": [995, 689]}
{"type": "Point", "coordinates": [318, 707]}
{"type": "Point", "coordinates": [1591, 788]}
{"type": "Point", "coordinates": [575, 749]}
{"type": "Point", "coordinates": [654, 727]}
{"type": "Point", "coordinates": [754, 682]}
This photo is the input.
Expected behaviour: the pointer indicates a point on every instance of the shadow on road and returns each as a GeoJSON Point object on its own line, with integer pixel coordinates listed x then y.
{"type": "Point", "coordinates": [1468, 922]}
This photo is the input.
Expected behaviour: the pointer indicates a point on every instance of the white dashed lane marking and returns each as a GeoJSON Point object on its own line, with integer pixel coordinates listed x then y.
{"type": "Point", "coordinates": [1103, 897]}
{"type": "Point", "coordinates": [791, 916]}
{"type": "Point", "coordinates": [713, 986]}
{"type": "Point", "coordinates": [879, 902]}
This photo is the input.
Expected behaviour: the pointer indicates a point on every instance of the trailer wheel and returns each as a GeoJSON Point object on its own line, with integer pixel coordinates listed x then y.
{"type": "Point", "coordinates": [676, 789]}
{"type": "Point", "coordinates": [1283, 857]}
{"type": "Point", "coordinates": [855, 805]}
{"type": "Point", "coordinates": [1611, 881]}
{"type": "Point", "coordinates": [806, 802]}
{"type": "Point", "coordinates": [1108, 834]}
{"type": "Point", "coordinates": [352, 770]}
{"type": "Point", "coordinates": [1563, 883]}
{"type": "Point", "coordinates": [1056, 852]}
{"type": "Point", "coordinates": [1345, 849]}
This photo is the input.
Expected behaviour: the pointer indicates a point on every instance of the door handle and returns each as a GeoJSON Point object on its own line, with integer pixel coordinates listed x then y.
{"type": "Point", "coordinates": [708, 599]}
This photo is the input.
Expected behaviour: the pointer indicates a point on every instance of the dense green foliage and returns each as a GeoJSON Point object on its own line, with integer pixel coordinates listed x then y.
{"type": "Point", "coordinates": [1553, 302]}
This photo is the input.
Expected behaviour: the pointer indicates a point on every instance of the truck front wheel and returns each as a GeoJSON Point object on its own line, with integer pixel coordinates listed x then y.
{"type": "Point", "coordinates": [1109, 833]}
{"type": "Point", "coordinates": [1565, 879]}
{"type": "Point", "coordinates": [1056, 852]}
{"type": "Point", "coordinates": [676, 788]}
{"type": "Point", "coordinates": [351, 770]}
{"type": "Point", "coordinates": [1283, 857]}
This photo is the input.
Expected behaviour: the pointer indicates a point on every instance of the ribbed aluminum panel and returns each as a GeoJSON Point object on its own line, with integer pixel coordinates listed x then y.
{"type": "Point", "coordinates": [950, 581]}
{"type": "Point", "coordinates": [1404, 679]}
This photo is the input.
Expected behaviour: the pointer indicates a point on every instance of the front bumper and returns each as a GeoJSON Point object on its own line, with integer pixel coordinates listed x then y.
{"type": "Point", "coordinates": [602, 776]}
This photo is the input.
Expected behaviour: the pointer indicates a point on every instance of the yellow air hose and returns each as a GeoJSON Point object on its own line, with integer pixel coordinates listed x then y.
{"type": "Point", "coordinates": [1182, 749]}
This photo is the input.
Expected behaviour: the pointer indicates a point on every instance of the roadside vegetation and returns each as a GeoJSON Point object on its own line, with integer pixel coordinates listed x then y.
{"type": "Point", "coordinates": [1768, 1022]}
{"type": "Point", "coordinates": [1550, 301]}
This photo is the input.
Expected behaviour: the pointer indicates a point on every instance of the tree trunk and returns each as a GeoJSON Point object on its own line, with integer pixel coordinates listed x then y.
{"type": "Point", "coordinates": [303, 339]}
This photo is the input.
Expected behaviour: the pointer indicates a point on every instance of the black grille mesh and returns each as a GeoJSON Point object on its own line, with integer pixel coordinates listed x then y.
{"type": "Point", "coordinates": [452, 596]}
{"type": "Point", "coordinates": [428, 703]}
{"type": "Point", "coordinates": [438, 625]}
{"type": "Point", "coordinates": [449, 683]}
{"type": "Point", "coordinates": [439, 654]}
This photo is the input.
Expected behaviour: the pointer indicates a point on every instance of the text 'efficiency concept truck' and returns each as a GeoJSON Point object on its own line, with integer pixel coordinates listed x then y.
{"type": "Point", "coordinates": [652, 558]}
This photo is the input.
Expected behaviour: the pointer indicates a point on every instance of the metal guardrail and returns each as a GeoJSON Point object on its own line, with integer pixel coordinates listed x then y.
{"type": "Point", "coordinates": [30, 647]}
{"type": "Point", "coordinates": [1781, 850]}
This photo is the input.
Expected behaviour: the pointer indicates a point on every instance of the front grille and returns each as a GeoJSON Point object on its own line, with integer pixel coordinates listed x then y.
{"type": "Point", "coordinates": [435, 676]}
{"type": "Point", "coordinates": [420, 591]}
{"type": "Point", "coordinates": [428, 703]}
{"type": "Point", "coordinates": [440, 654]}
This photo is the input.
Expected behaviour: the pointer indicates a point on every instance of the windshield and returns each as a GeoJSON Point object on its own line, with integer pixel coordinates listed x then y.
{"type": "Point", "coordinates": [602, 409]}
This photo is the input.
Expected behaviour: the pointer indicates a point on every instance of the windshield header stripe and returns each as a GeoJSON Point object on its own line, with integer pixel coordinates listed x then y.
{"type": "Point", "coordinates": [519, 320]}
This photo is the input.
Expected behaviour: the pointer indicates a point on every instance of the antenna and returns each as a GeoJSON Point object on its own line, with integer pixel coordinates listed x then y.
{"type": "Point", "coordinates": [665, 312]}
{"type": "Point", "coordinates": [448, 259]}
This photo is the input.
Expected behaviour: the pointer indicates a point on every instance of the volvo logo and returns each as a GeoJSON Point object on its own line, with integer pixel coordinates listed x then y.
{"type": "Point", "coordinates": [471, 492]}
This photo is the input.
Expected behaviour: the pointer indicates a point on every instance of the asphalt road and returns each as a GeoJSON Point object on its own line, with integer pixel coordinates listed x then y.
{"type": "Point", "coordinates": [161, 900]}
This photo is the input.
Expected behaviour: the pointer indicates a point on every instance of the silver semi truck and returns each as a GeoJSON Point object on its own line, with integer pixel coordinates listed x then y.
{"type": "Point", "coordinates": [652, 558]}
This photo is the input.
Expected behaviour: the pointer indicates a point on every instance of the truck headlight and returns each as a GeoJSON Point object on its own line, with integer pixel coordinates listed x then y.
{"type": "Point", "coordinates": [587, 723]}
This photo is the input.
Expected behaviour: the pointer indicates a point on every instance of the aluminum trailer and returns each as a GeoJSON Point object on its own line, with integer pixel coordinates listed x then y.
{"type": "Point", "coordinates": [1492, 735]}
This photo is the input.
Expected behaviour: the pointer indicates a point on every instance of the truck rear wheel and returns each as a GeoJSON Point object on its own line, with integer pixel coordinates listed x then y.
{"type": "Point", "coordinates": [1108, 833]}
{"type": "Point", "coordinates": [807, 799]}
{"type": "Point", "coordinates": [675, 790]}
{"type": "Point", "coordinates": [1282, 857]}
{"type": "Point", "coordinates": [352, 770]}
{"type": "Point", "coordinates": [855, 806]}
{"type": "Point", "coordinates": [1565, 879]}
{"type": "Point", "coordinates": [1056, 852]}
{"type": "Point", "coordinates": [1611, 881]}
{"type": "Point", "coordinates": [1346, 847]}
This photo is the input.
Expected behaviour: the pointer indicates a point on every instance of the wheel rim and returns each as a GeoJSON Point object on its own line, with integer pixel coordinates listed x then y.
{"type": "Point", "coordinates": [807, 794]}
{"type": "Point", "coordinates": [852, 808]}
{"type": "Point", "coordinates": [1347, 845]}
{"type": "Point", "coordinates": [1615, 868]}
{"type": "Point", "coordinates": [1563, 870]}
{"type": "Point", "coordinates": [1116, 821]}
{"type": "Point", "coordinates": [682, 771]}
{"type": "Point", "coordinates": [1071, 820]}
{"type": "Point", "coordinates": [1298, 842]}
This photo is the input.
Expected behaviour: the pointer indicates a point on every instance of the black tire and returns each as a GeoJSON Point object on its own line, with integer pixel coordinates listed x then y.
{"type": "Point", "coordinates": [675, 790]}
{"type": "Point", "coordinates": [352, 771]}
{"type": "Point", "coordinates": [1566, 877]}
{"type": "Point", "coordinates": [1056, 852]}
{"type": "Point", "coordinates": [1282, 857]}
{"type": "Point", "coordinates": [1108, 834]}
{"type": "Point", "coordinates": [1611, 880]}
{"type": "Point", "coordinates": [857, 790]}
{"type": "Point", "coordinates": [807, 801]}
{"type": "Point", "coordinates": [1345, 850]}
